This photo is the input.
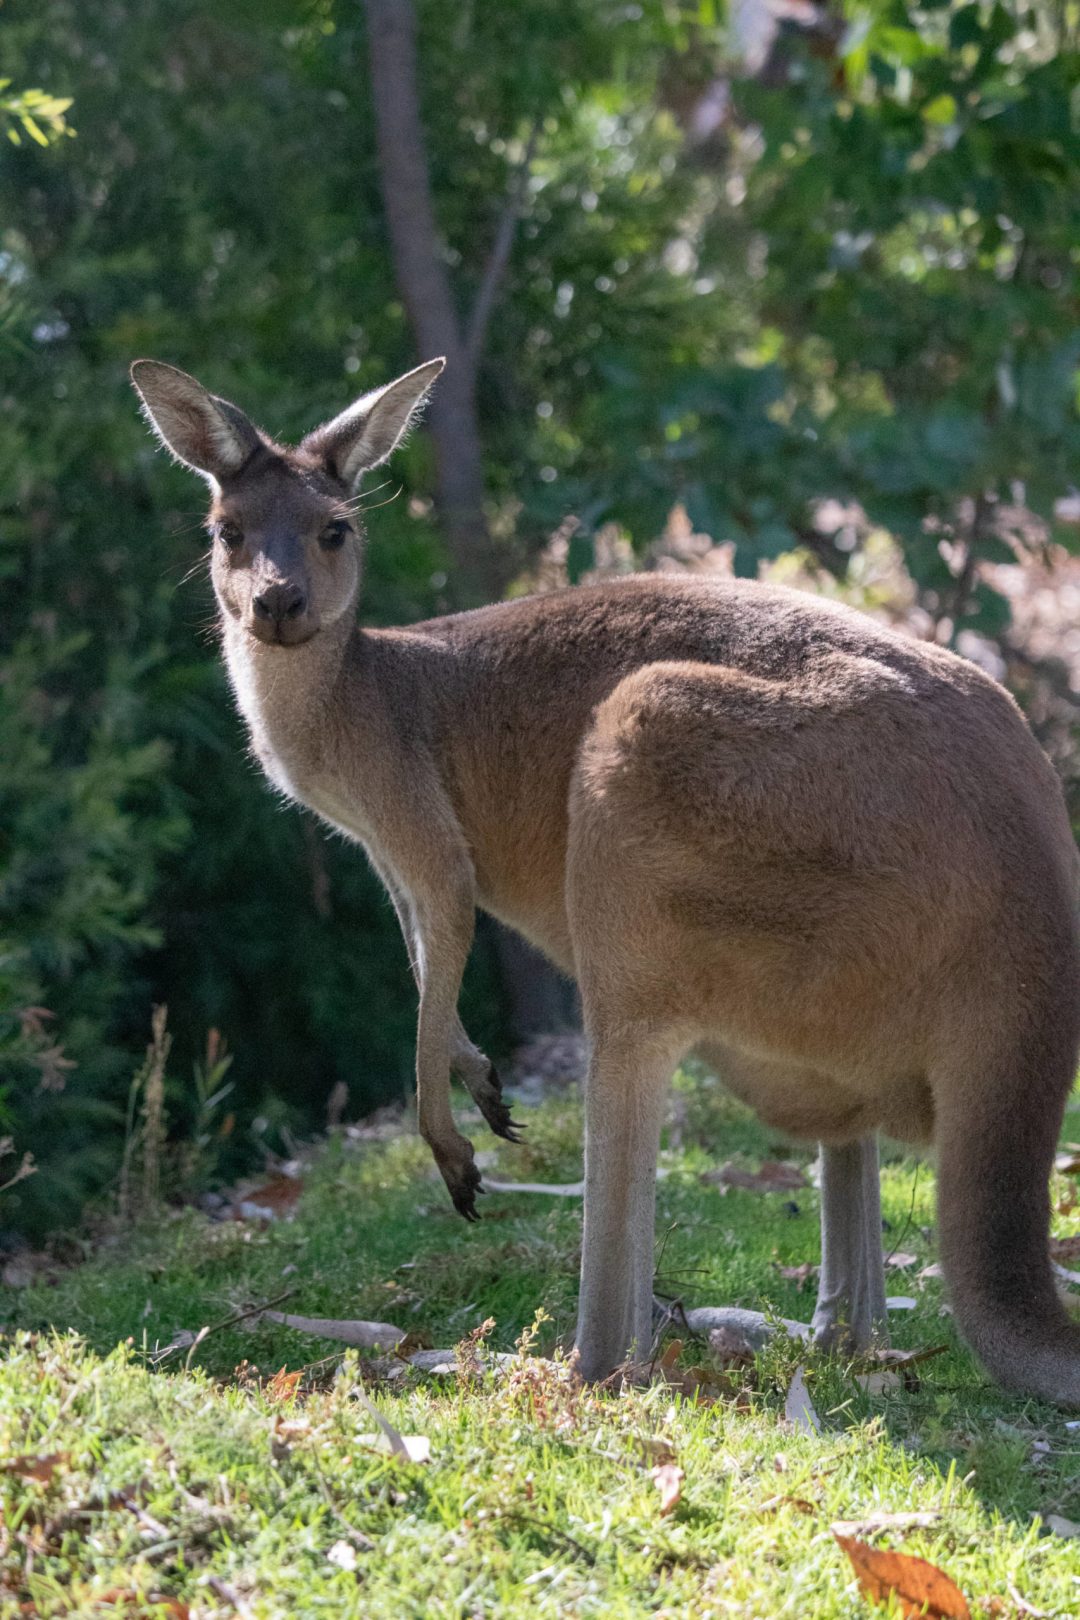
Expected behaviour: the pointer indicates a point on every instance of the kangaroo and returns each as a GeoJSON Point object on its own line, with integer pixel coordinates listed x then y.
{"type": "Point", "coordinates": [748, 821]}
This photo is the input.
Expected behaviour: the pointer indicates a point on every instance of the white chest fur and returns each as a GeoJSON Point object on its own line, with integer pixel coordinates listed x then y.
{"type": "Point", "coordinates": [284, 695]}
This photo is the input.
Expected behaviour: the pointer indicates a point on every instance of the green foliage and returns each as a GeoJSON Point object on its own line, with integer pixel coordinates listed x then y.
{"type": "Point", "coordinates": [33, 113]}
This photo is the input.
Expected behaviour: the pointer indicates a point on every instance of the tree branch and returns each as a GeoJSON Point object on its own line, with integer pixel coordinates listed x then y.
{"type": "Point", "coordinates": [499, 259]}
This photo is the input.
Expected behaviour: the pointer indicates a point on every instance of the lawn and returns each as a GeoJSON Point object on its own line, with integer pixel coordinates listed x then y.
{"type": "Point", "coordinates": [209, 1482]}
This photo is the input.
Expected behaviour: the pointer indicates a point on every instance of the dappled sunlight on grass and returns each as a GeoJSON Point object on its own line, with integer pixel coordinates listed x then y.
{"type": "Point", "coordinates": [539, 1497]}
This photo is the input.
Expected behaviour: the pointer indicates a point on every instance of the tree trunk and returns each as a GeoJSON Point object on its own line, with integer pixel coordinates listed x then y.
{"type": "Point", "coordinates": [423, 278]}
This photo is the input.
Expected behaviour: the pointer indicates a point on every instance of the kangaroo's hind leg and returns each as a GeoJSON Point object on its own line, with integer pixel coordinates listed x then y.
{"type": "Point", "coordinates": [851, 1289]}
{"type": "Point", "coordinates": [624, 1103]}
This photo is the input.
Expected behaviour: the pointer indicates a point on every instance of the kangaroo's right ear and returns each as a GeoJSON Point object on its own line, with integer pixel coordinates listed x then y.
{"type": "Point", "coordinates": [202, 431]}
{"type": "Point", "coordinates": [365, 435]}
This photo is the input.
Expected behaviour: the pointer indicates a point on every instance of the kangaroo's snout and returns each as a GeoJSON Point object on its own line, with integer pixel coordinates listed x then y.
{"type": "Point", "coordinates": [279, 614]}
{"type": "Point", "coordinates": [279, 603]}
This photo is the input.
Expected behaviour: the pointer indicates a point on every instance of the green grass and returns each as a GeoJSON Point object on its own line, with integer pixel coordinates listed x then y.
{"type": "Point", "coordinates": [196, 1486]}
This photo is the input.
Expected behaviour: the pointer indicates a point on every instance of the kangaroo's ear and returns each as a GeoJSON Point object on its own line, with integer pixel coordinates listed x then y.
{"type": "Point", "coordinates": [366, 434]}
{"type": "Point", "coordinates": [204, 432]}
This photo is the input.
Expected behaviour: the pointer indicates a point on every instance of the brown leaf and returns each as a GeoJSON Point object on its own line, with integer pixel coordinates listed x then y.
{"type": "Point", "coordinates": [1065, 1248]}
{"type": "Point", "coordinates": [657, 1448]}
{"type": "Point", "coordinates": [672, 1351]}
{"type": "Point", "coordinates": [879, 1383]}
{"type": "Point", "coordinates": [775, 1503]}
{"type": "Point", "coordinates": [1067, 1164]}
{"type": "Point", "coordinates": [773, 1176]}
{"type": "Point", "coordinates": [668, 1479]}
{"type": "Point", "coordinates": [921, 1589]}
{"type": "Point", "coordinates": [730, 1347]}
{"type": "Point", "coordinates": [39, 1468]}
{"type": "Point", "coordinates": [284, 1385]}
{"type": "Point", "coordinates": [799, 1274]}
{"type": "Point", "coordinates": [274, 1200]}
{"type": "Point", "coordinates": [137, 1602]}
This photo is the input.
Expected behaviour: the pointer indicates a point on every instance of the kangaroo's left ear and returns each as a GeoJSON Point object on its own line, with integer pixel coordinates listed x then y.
{"type": "Point", "coordinates": [365, 435]}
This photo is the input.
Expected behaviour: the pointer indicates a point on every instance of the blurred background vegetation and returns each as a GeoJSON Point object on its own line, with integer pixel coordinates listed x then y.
{"type": "Point", "coordinates": [779, 287]}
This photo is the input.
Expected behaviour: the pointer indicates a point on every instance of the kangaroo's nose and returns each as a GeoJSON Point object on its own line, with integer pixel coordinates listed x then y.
{"type": "Point", "coordinates": [279, 602]}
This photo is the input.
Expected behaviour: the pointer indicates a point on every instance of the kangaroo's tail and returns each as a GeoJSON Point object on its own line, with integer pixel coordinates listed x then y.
{"type": "Point", "coordinates": [997, 1127]}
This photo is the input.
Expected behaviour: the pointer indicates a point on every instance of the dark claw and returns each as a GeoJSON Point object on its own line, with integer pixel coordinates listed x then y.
{"type": "Point", "coordinates": [463, 1192]}
{"type": "Point", "coordinates": [498, 1118]}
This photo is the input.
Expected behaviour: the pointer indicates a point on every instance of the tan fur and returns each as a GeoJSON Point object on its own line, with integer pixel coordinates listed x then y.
{"type": "Point", "coordinates": [746, 820]}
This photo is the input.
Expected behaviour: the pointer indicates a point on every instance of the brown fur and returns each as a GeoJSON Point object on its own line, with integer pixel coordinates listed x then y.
{"type": "Point", "coordinates": [745, 819]}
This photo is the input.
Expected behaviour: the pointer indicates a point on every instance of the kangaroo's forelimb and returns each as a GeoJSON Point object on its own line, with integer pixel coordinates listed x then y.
{"type": "Point", "coordinates": [472, 1066]}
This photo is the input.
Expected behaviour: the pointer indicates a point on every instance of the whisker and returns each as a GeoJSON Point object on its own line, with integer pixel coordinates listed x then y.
{"type": "Point", "coordinates": [388, 499]}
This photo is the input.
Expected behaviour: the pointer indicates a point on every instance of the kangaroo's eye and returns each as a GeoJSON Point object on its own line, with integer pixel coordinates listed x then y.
{"type": "Point", "coordinates": [334, 534]}
{"type": "Point", "coordinates": [230, 534]}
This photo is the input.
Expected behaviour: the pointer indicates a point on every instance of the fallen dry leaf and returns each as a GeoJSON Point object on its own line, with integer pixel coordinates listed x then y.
{"type": "Point", "coordinates": [284, 1385]}
{"type": "Point", "coordinates": [920, 1588]}
{"type": "Point", "coordinates": [1065, 1248]}
{"type": "Point", "coordinates": [668, 1479]}
{"type": "Point", "coordinates": [274, 1200]}
{"type": "Point", "coordinates": [730, 1347]}
{"type": "Point", "coordinates": [1067, 1164]}
{"type": "Point", "coordinates": [879, 1383]}
{"type": "Point", "coordinates": [657, 1448]}
{"type": "Point", "coordinates": [774, 1176]}
{"type": "Point", "coordinates": [901, 1261]}
{"type": "Point", "coordinates": [798, 1407]}
{"type": "Point", "coordinates": [138, 1602]}
{"type": "Point", "coordinates": [409, 1447]}
{"type": "Point", "coordinates": [799, 1274]}
{"type": "Point", "coordinates": [775, 1503]}
{"type": "Point", "coordinates": [39, 1468]}
{"type": "Point", "coordinates": [361, 1335]}
{"type": "Point", "coordinates": [289, 1429]}
{"type": "Point", "coordinates": [672, 1351]}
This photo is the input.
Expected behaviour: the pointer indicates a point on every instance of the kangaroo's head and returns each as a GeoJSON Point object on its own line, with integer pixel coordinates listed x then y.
{"type": "Point", "coordinates": [285, 524]}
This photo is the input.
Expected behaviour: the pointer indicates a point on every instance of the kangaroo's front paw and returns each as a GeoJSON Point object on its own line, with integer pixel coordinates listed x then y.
{"type": "Point", "coordinates": [461, 1176]}
{"type": "Point", "coordinates": [497, 1114]}
{"type": "Point", "coordinates": [481, 1079]}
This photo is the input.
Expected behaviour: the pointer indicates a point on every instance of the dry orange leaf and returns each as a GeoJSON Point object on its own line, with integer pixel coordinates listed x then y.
{"type": "Point", "coordinates": [39, 1468]}
{"type": "Point", "coordinates": [283, 1385]}
{"type": "Point", "coordinates": [276, 1197]}
{"type": "Point", "coordinates": [921, 1588]}
{"type": "Point", "coordinates": [774, 1176]}
{"type": "Point", "coordinates": [117, 1597]}
{"type": "Point", "coordinates": [668, 1479]}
